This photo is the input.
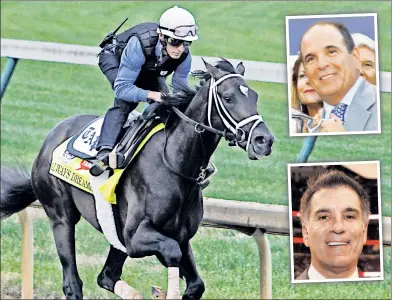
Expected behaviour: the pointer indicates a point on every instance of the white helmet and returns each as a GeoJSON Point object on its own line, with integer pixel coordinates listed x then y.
{"type": "Point", "coordinates": [179, 24]}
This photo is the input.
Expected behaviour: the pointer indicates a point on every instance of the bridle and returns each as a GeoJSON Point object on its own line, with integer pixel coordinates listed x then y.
{"type": "Point", "coordinates": [234, 126]}
{"type": "Point", "coordinates": [233, 132]}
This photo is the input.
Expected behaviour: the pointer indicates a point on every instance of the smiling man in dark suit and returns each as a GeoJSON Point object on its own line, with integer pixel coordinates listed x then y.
{"type": "Point", "coordinates": [334, 214]}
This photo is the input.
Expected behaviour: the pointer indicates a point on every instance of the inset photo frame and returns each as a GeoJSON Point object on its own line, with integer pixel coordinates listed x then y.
{"type": "Point", "coordinates": [335, 222]}
{"type": "Point", "coordinates": [333, 74]}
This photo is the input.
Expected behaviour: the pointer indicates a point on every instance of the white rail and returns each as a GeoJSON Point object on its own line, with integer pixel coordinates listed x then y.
{"type": "Point", "coordinates": [255, 219]}
{"type": "Point", "coordinates": [87, 55]}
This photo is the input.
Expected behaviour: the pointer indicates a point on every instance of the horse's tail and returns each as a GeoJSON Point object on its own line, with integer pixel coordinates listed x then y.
{"type": "Point", "coordinates": [16, 191]}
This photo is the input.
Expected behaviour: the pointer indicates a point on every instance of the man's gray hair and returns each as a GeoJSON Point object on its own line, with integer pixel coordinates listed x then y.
{"type": "Point", "coordinates": [363, 40]}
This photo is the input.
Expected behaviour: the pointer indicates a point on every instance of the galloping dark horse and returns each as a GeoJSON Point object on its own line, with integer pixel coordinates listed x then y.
{"type": "Point", "coordinates": [160, 204]}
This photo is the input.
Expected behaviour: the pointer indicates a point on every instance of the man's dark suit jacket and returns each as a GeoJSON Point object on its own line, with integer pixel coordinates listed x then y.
{"type": "Point", "coordinates": [304, 275]}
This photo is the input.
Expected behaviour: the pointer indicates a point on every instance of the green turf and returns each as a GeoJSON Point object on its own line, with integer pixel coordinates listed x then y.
{"type": "Point", "coordinates": [42, 94]}
{"type": "Point", "coordinates": [234, 29]}
{"type": "Point", "coordinates": [227, 261]}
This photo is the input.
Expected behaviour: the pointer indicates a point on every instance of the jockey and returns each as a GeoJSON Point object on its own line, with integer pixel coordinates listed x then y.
{"type": "Point", "coordinates": [152, 52]}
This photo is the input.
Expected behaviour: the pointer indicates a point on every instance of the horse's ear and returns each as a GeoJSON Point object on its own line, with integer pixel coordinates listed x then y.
{"type": "Point", "coordinates": [212, 70]}
{"type": "Point", "coordinates": [240, 69]}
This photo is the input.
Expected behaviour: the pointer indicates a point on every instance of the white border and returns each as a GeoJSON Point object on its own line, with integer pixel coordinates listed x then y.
{"type": "Point", "coordinates": [289, 67]}
{"type": "Point", "coordinates": [379, 220]}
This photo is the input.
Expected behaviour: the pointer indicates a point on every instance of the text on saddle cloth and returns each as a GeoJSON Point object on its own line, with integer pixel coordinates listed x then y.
{"type": "Point", "coordinates": [75, 170]}
{"type": "Point", "coordinates": [84, 144]}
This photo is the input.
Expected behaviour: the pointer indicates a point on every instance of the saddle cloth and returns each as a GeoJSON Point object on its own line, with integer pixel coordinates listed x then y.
{"type": "Point", "coordinates": [84, 144]}
{"type": "Point", "coordinates": [72, 160]}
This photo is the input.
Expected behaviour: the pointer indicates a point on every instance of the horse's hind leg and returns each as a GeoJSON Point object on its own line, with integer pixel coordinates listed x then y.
{"type": "Point", "coordinates": [195, 286]}
{"type": "Point", "coordinates": [64, 216]}
{"type": "Point", "coordinates": [109, 277]}
{"type": "Point", "coordinates": [64, 234]}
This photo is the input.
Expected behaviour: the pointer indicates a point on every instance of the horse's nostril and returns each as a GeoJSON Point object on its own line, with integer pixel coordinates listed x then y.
{"type": "Point", "coordinates": [260, 140]}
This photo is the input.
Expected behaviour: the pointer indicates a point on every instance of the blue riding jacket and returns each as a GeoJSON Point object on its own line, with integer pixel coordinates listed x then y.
{"type": "Point", "coordinates": [130, 67]}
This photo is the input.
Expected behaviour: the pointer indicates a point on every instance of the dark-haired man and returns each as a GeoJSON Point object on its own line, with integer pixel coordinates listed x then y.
{"type": "Point", "coordinates": [334, 214]}
{"type": "Point", "coordinates": [332, 66]}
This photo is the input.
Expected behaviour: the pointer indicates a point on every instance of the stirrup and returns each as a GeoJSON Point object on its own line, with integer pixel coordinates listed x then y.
{"type": "Point", "coordinates": [101, 164]}
{"type": "Point", "coordinates": [98, 168]}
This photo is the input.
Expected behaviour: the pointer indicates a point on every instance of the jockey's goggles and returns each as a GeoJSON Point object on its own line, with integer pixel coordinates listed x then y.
{"type": "Point", "coordinates": [184, 30]}
{"type": "Point", "coordinates": [177, 43]}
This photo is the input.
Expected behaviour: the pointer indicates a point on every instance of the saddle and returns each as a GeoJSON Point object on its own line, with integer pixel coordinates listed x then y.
{"type": "Point", "coordinates": [136, 129]}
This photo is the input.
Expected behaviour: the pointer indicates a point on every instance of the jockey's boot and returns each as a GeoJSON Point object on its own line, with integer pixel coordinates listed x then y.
{"type": "Point", "coordinates": [102, 162]}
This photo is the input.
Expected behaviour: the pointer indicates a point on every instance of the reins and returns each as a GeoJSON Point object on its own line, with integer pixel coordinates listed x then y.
{"type": "Point", "coordinates": [201, 175]}
{"type": "Point", "coordinates": [200, 127]}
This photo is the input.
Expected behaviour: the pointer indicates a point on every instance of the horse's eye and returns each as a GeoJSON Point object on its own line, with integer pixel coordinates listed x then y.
{"type": "Point", "coordinates": [227, 100]}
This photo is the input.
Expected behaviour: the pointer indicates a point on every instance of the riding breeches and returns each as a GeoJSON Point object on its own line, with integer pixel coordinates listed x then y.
{"type": "Point", "coordinates": [109, 64]}
{"type": "Point", "coordinates": [115, 118]}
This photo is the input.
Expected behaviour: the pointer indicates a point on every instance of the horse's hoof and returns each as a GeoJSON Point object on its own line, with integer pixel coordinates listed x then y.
{"type": "Point", "coordinates": [158, 293]}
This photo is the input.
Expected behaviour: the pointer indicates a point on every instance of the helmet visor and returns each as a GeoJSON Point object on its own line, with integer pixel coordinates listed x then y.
{"type": "Point", "coordinates": [184, 30]}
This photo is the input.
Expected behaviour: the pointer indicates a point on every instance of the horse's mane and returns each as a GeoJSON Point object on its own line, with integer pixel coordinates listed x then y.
{"type": "Point", "coordinates": [223, 65]}
{"type": "Point", "coordinates": [185, 93]}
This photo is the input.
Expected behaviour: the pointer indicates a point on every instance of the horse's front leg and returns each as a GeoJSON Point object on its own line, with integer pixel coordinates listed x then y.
{"type": "Point", "coordinates": [148, 241]}
{"type": "Point", "coordinates": [109, 277]}
{"type": "Point", "coordinates": [195, 286]}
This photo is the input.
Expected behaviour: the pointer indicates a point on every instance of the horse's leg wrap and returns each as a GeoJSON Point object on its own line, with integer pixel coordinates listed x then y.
{"type": "Point", "coordinates": [124, 291]}
{"type": "Point", "coordinates": [173, 283]}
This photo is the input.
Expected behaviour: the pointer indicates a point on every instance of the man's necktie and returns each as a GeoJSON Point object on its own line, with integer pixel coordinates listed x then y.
{"type": "Point", "coordinates": [339, 111]}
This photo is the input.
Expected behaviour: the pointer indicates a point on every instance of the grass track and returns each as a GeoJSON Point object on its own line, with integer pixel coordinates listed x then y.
{"type": "Point", "coordinates": [227, 261]}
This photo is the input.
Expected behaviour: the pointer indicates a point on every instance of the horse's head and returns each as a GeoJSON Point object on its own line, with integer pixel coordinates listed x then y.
{"type": "Point", "coordinates": [232, 105]}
